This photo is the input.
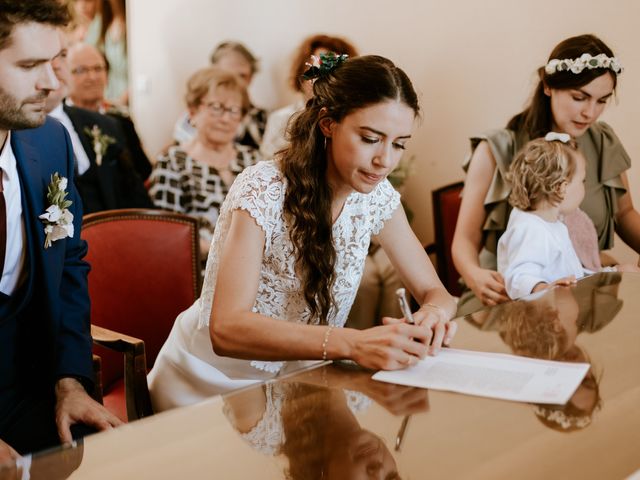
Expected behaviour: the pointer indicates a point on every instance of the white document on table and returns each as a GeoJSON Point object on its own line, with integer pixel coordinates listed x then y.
{"type": "Point", "coordinates": [495, 375]}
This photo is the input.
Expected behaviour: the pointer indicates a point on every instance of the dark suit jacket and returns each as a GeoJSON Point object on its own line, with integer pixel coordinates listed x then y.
{"type": "Point", "coordinates": [114, 183]}
{"type": "Point", "coordinates": [56, 299]}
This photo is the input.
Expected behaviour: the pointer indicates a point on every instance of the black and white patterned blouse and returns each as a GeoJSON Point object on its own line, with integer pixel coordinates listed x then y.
{"type": "Point", "coordinates": [181, 183]}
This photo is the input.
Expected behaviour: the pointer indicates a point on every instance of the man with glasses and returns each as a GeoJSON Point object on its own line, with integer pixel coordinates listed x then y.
{"type": "Point", "coordinates": [87, 85]}
{"type": "Point", "coordinates": [105, 174]}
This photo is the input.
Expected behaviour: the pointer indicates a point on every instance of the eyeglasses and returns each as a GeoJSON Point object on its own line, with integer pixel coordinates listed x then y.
{"type": "Point", "coordinates": [85, 70]}
{"type": "Point", "coordinates": [217, 109]}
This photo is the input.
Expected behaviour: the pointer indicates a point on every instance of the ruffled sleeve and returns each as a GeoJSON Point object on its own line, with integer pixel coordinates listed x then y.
{"type": "Point", "coordinates": [601, 146]}
{"type": "Point", "coordinates": [260, 191]}
{"type": "Point", "coordinates": [616, 159]}
{"type": "Point", "coordinates": [503, 144]}
{"type": "Point", "coordinates": [383, 202]}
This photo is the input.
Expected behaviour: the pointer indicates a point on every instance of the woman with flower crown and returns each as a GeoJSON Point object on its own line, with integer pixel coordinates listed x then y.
{"type": "Point", "coordinates": [574, 88]}
{"type": "Point", "coordinates": [290, 245]}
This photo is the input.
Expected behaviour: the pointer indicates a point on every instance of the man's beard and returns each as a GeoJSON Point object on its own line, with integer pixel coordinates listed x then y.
{"type": "Point", "coordinates": [14, 116]}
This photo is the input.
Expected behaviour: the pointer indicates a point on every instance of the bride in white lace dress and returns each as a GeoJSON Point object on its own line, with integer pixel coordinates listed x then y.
{"type": "Point", "coordinates": [290, 245]}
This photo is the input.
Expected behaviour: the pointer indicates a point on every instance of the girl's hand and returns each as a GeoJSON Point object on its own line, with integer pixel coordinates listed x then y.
{"type": "Point", "coordinates": [488, 286]}
{"type": "Point", "coordinates": [393, 346]}
{"type": "Point", "coordinates": [439, 330]}
{"type": "Point", "coordinates": [436, 320]}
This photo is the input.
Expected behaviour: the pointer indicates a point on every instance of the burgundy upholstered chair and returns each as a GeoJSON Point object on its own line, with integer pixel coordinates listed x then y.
{"type": "Point", "coordinates": [145, 270]}
{"type": "Point", "coordinates": [446, 205]}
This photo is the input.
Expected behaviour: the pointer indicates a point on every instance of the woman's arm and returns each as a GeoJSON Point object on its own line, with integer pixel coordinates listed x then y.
{"type": "Point", "coordinates": [628, 219]}
{"type": "Point", "coordinates": [412, 263]}
{"type": "Point", "coordinates": [487, 285]}
{"type": "Point", "coordinates": [416, 271]}
{"type": "Point", "coordinates": [238, 332]}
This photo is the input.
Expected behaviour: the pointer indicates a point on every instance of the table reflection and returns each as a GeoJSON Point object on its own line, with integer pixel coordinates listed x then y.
{"type": "Point", "coordinates": [546, 326]}
{"type": "Point", "coordinates": [313, 426]}
{"type": "Point", "coordinates": [331, 421]}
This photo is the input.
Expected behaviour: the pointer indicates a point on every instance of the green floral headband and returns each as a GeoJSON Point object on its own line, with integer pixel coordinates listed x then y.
{"type": "Point", "coordinates": [323, 65]}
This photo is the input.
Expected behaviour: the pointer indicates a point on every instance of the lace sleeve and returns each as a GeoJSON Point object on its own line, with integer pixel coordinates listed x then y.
{"type": "Point", "coordinates": [384, 201]}
{"type": "Point", "coordinates": [260, 191]}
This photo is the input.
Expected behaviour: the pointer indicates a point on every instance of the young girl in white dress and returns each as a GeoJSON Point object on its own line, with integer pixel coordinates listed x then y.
{"type": "Point", "coordinates": [535, 252]}
{"type": "Point", "coordinates": [290, 244]}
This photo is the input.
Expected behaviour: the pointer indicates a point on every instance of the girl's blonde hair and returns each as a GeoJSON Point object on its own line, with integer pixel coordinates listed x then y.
{"type": "Point", "coordinates": [538, 172]}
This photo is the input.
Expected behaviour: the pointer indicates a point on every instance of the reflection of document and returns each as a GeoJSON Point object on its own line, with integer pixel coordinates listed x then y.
{"type": "Point", "coordinates": [495, 375]}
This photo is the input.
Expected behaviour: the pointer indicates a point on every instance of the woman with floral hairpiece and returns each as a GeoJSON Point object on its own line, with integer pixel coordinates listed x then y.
{"type": "Point", "coordinates": [574, 88]}
{"type": "Point", "coordinates": [290, 245]}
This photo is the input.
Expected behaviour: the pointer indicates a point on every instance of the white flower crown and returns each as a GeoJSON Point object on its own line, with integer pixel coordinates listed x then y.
{"type": "Point", "coordinates": [577, 65]}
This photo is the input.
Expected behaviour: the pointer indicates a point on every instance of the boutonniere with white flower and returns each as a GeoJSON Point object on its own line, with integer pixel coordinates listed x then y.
{"type": "Point", "coordinates": [101, 141]}
{"type": "Point", "coordinates": [57, 219]}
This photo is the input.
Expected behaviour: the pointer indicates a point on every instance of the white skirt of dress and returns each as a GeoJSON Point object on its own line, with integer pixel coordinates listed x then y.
{"type": "Point", "coordinates": [188, 371]}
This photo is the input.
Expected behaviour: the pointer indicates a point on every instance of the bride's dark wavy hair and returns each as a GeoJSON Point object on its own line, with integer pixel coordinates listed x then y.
{"type": "Point", "coordinates": [358, 83]}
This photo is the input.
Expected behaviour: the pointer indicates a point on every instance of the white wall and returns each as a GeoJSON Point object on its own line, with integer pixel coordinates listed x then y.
{"type": "Point", "coordinates": [472, 61]}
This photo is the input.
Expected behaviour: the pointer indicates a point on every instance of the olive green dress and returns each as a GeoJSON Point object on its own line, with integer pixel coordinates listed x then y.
{"type": "Point", "coordinates": [606, 160]}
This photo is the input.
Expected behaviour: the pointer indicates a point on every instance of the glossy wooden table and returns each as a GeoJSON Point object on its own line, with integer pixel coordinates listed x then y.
{"type": "Point", "coordinates": [336, 422]}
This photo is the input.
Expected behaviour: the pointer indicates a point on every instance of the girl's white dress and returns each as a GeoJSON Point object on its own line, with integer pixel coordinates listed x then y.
{"type": "Point", "coordinates": [187, 370]}
{"type": "Point", "coordinates": [533, 250]}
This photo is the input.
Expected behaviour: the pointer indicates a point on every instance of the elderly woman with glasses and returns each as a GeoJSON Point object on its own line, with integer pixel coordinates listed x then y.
{"type": "Point", "coordinates": [195, 178]}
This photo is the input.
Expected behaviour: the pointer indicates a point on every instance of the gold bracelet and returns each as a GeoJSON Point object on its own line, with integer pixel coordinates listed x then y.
{"type": "Point", "coordinates": [326, 341]}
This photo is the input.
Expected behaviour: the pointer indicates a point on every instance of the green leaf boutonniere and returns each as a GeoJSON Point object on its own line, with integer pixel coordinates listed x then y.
{"type": "Point", "coordinates": [101, 142]}
{"type": "Point", "coordinates": [57, 219]}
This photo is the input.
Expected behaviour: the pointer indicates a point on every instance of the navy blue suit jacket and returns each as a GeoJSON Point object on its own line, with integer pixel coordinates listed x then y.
{"type": "Point", "coordinates": [57, 297]}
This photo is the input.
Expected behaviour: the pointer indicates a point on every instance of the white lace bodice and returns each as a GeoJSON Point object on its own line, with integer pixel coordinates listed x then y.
{"type": "Point", "coordinates": [260, 190]}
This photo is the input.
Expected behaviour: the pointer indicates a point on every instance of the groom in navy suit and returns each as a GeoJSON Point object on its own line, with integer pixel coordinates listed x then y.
{"type": "Point", "coordinates": [45, 342]}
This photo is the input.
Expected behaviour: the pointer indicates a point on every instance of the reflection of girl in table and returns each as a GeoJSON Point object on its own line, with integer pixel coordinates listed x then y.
{"type": "Point", "coordinates": [546, 327]}
{"type": "Point", "coordinates": [291, 241]}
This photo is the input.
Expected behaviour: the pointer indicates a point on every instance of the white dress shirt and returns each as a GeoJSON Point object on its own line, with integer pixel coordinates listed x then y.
{"type": "Point", "coordinates": [533, 250]}
{"type": "Point", "coordinates": [82, 160]}
{"type": "Point", "coordinates": [15, 251]}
